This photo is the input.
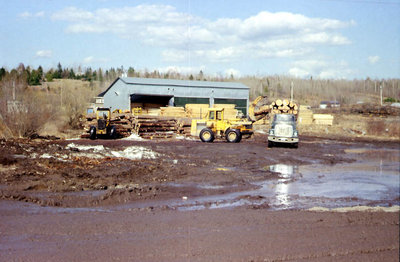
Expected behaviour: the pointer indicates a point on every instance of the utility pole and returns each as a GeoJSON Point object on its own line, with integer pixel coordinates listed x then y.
{"type": "Point", "coordinates": [291, 91]}
{"type": "Point", "coordinates": [381, 87]}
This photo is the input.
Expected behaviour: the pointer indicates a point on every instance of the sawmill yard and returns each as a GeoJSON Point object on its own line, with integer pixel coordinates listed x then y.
{"type": "Point", "coordinates": [163, 195]}
{"type": "Point", "coordinates": [133, 199]}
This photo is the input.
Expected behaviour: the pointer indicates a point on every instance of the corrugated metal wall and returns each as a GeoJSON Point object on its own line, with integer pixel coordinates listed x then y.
{"type": "Point", "coordinates": [118, 96]}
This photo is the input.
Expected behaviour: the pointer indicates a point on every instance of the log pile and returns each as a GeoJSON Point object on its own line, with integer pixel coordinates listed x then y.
{"type": "Point", "coordinates": [370, 109]}
{"type": "Point", "coordinates": [284, 107]}
{"type": "Point", "coordinates": [150, 127]}
{"type": "Point", "coordinates": [123, 124]}
{"type": "Point", "coordinates": [183, 126]}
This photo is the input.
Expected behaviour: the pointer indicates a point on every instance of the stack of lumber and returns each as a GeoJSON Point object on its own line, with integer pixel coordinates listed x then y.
{"type": "Point", "coordinates": [173, 111]}
{"type": "Point", "coordinates": [183, 126]}
{"type": "Point", "coordinates": [150, 127]}
{"type": "Point", "coordinates": [305, 116]}
{"type": "Point", "coordinates": [323, 119]}
{"type": "Point", "coordinates": [229, 110]}
{"type": "Point", "coordinates": [225, 106]}
{"type": "Point", "coordinates": [151, 111]}
{"type": "Point", "coordinates": [284, 107]}
{"type": "Point", "coordinates": [196, 110]}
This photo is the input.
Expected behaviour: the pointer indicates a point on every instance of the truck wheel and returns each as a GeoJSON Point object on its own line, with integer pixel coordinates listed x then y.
{"type": "Point", "coordinates": [113, 132]}
{"type": "Point", "coordinates": [233, 136]}
{"type": "Point", "coordinates": [92, 132]}
{"type": "Point", "coordinates": [270, 144]}
{"type": "Point", "coordinates": [296, 145]}
{"type": "Point", "coordinates": [207, 135]}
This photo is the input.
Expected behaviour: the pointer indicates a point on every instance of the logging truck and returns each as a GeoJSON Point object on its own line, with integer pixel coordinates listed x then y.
{"type": "Point", "coordinates": [283, 130]}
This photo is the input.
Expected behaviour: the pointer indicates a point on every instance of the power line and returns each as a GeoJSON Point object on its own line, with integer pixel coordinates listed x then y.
{"type": "Point", "coordinates": [365, 2]}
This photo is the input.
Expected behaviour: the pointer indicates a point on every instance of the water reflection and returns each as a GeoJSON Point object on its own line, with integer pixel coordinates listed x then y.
{"type": "Point", "coordinates": [282, 189]}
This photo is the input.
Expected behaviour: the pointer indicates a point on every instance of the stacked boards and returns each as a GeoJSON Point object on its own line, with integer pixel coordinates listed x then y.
{"type": "Point", "coordinates": [200, 110]}
{"type": "Point", "coordinates": [229, 110]}
{"type": "Point", "coordinates": [323, 119]}
{"type": "Point", "coordinates": [172, 111]}
{"type": "Point", "coordinates": [196, 110]}
{"type": "Point", "coordinates": [305, 116]}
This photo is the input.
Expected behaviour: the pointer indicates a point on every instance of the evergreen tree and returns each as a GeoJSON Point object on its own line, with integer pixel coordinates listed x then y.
{"type": "Point", "coordinates": [100, 75]}
{"type": "Point", "coordinates": [34, 78]}
{"type": "Point", "coordinates": [131, 72]}
{"type": "Point", "coordinates": [71, 74]}
{"type": "Point", "coordinates": [40, 72]}
{"type": "Point", "coordinates": [2, 73]}
{"type": "Point", "coordinates": [49, 75]}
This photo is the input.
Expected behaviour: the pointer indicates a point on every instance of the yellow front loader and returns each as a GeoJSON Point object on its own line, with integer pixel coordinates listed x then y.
{"type": "Point", "coordinates": [215, 125]}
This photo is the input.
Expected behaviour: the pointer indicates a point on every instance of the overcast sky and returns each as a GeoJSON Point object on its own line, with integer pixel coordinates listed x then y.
{"type": "Point", "coordinates": [319, 38]}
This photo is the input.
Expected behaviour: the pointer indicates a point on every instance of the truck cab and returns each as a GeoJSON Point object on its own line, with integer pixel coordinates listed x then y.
{"type": "Point", "coordinates": [283, 130]}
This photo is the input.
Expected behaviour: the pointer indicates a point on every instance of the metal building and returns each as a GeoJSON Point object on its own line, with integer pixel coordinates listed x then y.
{"type": "Point", "coordinates": [125, 92]}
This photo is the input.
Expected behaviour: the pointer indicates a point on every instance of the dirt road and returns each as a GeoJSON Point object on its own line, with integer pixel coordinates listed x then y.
{"type": "Point", "coordinates": [183, 200]}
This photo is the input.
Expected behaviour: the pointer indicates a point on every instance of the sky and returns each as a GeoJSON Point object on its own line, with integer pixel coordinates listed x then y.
{"type": "Point", "coordinates": [325, 39]}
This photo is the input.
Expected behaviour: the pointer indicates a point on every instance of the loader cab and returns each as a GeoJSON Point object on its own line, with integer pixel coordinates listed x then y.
{"type": "Point", "coordinates": [215, 114]}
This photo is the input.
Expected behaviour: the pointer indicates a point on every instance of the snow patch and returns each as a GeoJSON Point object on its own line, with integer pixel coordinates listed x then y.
{"type": "Point", "coordinates": [394, 208]}
{"type": "Point", "coordinates": [45, 155]}
{"type": "Point", "coordinates": [180, 137]}
{"type": "Point", "coordinates": [97, 148]}
{"type": "Point", "coordinates": [133, 137]}
{"type": "Point", "coordinates": [135, 152]}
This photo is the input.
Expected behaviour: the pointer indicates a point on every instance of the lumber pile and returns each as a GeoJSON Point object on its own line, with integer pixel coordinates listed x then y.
{"type": "Point", "coordinates": [196, 110]}
{"type": "Point", "coordinates": [284, 107]}
{"type": "Point", "coordinates": [151, 111]}
{"type": "Point", "coordinates": [323, 119]}
{"type": "Point", "coordinates": [225, 106]}
{"type": "Point", "coordinates": [150, 127]}
{"type": "Point", "coordinates": [173, 111]}
{"type": "Point", "coordinates": [229, 110]}
{"type": "Point", "coordinates": [305, 116]}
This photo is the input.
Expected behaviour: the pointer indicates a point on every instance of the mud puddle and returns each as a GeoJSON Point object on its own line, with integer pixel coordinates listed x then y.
{"type": "Point", "coordinates": [373, 180]}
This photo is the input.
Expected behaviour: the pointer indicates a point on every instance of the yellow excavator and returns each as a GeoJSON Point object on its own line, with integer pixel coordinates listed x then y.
{"type": "Point", "coordinates": [214, 124]}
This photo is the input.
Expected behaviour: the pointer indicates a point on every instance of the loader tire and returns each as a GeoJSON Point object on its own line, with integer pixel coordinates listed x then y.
{"type": "Point", "coordinates": [207, 135]}
{"type": "Point", "coordinates": [92, 133]}
{"type": "Point", "coordinates": [113, 132]}
{"type": "Point", "coordinates": [233, 136]}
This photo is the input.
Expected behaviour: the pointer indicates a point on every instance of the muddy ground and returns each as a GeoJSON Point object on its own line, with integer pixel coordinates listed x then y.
{"type": "Point", "coordinates": [183, 200]}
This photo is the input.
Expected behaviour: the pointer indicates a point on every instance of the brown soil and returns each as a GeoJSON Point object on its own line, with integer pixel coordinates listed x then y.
{"type": "Point", "coordinates": [84, 214]}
